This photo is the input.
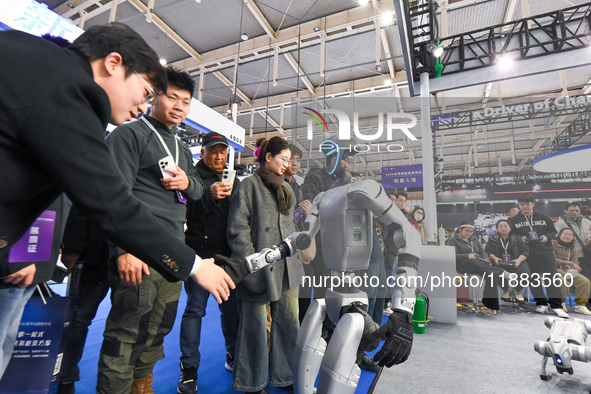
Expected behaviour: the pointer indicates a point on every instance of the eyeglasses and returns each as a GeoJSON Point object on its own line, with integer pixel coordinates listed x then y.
{"type": "Point", "coordinates": [285, 161]}
{"type": "Point", "coordinates": [151, 93]}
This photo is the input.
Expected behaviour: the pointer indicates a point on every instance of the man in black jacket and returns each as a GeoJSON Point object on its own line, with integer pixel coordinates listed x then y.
{"type": "Point", "coordinates": [537, 231]}
{"type": "Point", "coordinates": [55, 105]}
{"type": "Point", "coordinates": [207, 220]}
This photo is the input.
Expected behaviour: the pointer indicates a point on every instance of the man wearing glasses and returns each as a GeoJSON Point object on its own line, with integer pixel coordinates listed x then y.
{"type": "Point", "coordinates": [144, 303]}
{"type": "Point", "coordinates": [55, 105]}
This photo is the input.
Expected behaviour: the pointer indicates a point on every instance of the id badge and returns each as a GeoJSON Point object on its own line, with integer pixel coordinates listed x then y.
{"type": "Point", "coordinates": [506, 258]}
{"type": "Point", "coordinates": [180, 197]}
{"type": "Point", "coordinates": [533, 236]}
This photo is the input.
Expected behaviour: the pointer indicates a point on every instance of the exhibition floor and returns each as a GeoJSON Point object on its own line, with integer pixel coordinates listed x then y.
{"type": "Point", "coordinates": [482, 353]}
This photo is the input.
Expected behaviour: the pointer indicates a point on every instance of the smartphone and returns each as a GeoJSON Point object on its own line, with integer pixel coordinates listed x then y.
{"type": "Point", "coordinates": [228, 176]}
{"type": "Point", "coordinates": [165, 162]}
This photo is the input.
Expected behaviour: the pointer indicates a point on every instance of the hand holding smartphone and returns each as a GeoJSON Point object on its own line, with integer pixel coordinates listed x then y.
{"type": "Point", "coordinates": [228, 177]}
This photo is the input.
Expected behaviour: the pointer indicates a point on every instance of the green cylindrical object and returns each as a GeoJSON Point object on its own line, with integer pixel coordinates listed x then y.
{"type": "Point", "coordinates": [419, 317]}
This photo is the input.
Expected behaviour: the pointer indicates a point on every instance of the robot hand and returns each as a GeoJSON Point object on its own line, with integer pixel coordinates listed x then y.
{"type": "Point", "coordinates": [398, 332]}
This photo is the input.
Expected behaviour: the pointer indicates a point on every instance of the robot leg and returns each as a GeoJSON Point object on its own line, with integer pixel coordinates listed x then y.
{"type": "Point", "coordinates": [310, 348]}
{"type": "Point", "coordinates": [543, 374]}
{"type": "Point", "coordinates": [339, 373]}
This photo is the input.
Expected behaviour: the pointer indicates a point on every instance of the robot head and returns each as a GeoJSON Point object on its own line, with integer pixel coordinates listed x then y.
{"type": "Point", "coordinates": [335, 151]}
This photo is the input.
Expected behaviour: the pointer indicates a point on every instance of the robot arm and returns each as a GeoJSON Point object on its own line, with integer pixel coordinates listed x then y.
{"type": "Point", "coordinates": [289, 246]}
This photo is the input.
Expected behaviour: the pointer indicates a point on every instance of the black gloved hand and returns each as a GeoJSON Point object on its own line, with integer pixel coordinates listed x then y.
{"type": "Point", "coordinates": [398, 332]}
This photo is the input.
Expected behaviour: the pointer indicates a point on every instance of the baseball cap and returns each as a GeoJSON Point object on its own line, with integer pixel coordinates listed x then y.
{"type": "Point", "coordinates": [214, 138]}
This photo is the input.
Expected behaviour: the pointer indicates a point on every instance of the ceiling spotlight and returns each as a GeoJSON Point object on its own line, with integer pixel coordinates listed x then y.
{"type": "Point", "coordinates": [436, 50]}
{"type": "Point", "coordinates": [70, 5]}
{"type": "Point", "coordinates": [316, 28]}
{"type": "Point", "coordinates": [363, 2]}
{"type": "Point", "coordinates": [388, 82]}
{"type": "Point", "coordinates": [504, 61]}
{"type": "Point", "coordinates": [244, 36]}
{"type": "Point", "coordinates": [387, 18]}
{"type": "Point", "coordinates": [162, 61]}
{"type": "Point", "coordinates": [348, 89]}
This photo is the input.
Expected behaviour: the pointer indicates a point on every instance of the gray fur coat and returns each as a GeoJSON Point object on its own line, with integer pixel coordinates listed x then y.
{"type": "Point", "coordinates": [255, 223]}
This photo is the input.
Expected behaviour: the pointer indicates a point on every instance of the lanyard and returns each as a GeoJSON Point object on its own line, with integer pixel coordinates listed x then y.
{"type": "Point", "coordinates": [530, 222]}
{"type": "Point", "coordinates": [503, 245]}
{"type": "Point", "coordinates": [176, 142]}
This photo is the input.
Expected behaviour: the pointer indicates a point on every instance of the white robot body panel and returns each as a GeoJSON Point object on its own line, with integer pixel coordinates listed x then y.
{"type": "Point", "coordinates": [310, 348]}
{"type": "Point", "coordinates": [339, 373]}
{"type": "Point", "coordinates": [347, 231]}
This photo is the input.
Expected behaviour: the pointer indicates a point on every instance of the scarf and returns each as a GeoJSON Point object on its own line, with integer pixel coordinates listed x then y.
{"type": "Point", "coordinates": [569, 245]}
{"type": "Point", "coordinates": [274, 183]}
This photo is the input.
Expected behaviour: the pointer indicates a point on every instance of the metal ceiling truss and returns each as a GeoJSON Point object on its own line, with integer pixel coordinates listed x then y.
{"type": "Point", "coordinates": [503, 114]}
{"type": "Point", "coordinates": [552, 32]}
{"type": "Point", "coordinates": [573, 133]}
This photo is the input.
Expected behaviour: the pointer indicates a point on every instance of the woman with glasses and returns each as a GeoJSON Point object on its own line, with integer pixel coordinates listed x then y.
{"type": "Point", "coordinates": [261, 215]}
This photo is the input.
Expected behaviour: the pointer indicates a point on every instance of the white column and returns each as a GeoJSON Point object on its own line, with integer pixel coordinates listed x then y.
{"type": "Point", "coordinates": [428, 173]}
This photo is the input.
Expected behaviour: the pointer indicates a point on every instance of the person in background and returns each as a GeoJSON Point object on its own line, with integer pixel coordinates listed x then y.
{"type": "Point", "coordinates": [143, 302]}
{"type": "Point", "coordinates": [392, 197]}
{"type": "Point", "coordinates": [472, 259]}
{"type": "Point", "coordinates": [537, 231]}
{"type": "Point", "coordinates": [417, 217]}
{"type": "Point", "coordinates": [512, 212]}
{"type": "Point", "coordinates": [300, 214]}
{"type": "Point", "coordinates": [82, 244]}
{"type": "Point", "coordinates": [261, 215]}
{"type": "Point", "coordinates": [375, 294]}
{"type": "Point", "coordinates": [401, 198]}
{"type": "Point", "coordinates": [570, 271]}
{"type": "Point", "coordinates": [55, 106]}
{"type": "Point", "coordinates": [581, 227]}
{"type": "Point", "coordinates": [508, 251]}
{"type": "Point", "coordinates": [207, 222]}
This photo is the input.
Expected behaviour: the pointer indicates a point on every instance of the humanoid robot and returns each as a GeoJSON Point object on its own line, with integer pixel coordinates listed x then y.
{"type": "Point", "coordinates": [567, 342]}
{"type": "Point", "coordinates": [335, 328]}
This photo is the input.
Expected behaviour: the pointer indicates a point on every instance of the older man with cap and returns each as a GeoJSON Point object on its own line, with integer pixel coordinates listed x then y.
{"type": "Point", "coordinates": [206, 232]}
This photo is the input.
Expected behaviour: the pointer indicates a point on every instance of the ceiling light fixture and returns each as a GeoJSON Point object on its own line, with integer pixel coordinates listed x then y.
{"type": "Point", "coordinates": [436, 50]}
{"type": "Point", "coordinates": [316, 28]}
{"type": "Point", "coordinates": [387, 18]}
{"type": "Point", "coordinates": [388, 82]}
{"type": "Point", "coordinates": [244, 36]}
{"type": "Point", "coordinates": [70, 5]}
{"type": "Point", "coordinates": [163, 61]}
{"type": "Point", "coordinates": [505, 62]}
{"type": "Point", "coordinates": [363, 2]}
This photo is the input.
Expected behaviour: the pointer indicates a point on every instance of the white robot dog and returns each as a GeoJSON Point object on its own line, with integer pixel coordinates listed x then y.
{"type": "Point", "coordinates": [335, 328]}
{"type": "Point", "coordinates": [565, 344]}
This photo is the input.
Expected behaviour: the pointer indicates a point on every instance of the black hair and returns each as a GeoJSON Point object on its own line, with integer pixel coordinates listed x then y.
{"type": "Point", "coordinates": [526, 198]}
{"type": "Point", "coordinates": [57, 40]}
{"type": "Point", "coordinates": [403, 194]}
{"type": "Point", "coordinates": [506, 221]}
{"type": "Point", "coordinates": [274, 146]}
{"type": "Point", "coordinates": [571, 204]}
{"type": "Point", "coordinates": [100, 40]}
{"type": "Point", "coordinates": [585, 209]}
{"type": "Point", "coordinates": [510, 208]}
{"type": "Point", "coordinates": [296, 151]}
{"type": "Point", "coordinates": [180, 79]}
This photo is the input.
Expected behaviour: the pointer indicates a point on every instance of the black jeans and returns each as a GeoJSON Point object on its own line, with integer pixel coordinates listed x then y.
{"type": "Point", "coordinates": [88, 300]}
{"type": "Point", "coordinates": [492, 279]}
{"type": "Point", "coordinates": [544, 264]}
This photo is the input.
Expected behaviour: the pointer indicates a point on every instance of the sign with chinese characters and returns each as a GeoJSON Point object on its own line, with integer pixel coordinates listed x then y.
{"type": "Point", "coordinates": [37, 19]}
{"type": "Point", "coordinates": [38, 351]}
{"type": "Point", "coordinates": [36, 244]}
{"type": "Point", "coordinates": [402, 176]}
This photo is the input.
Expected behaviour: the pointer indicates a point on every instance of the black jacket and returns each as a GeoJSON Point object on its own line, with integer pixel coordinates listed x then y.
{"type": "Point", "coordinates": [463, 248]}
{"type": "Point", "coordinates": [52, 140]}
{"type": "Point", "coordinates": [542, 225]}
{"type": "Point", "coordinates": [207, 219]}
{"type": "Point", "coordinates": [81, 237]}
{"type": "Point", "coordinates": [515, 248]}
